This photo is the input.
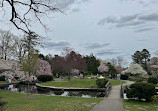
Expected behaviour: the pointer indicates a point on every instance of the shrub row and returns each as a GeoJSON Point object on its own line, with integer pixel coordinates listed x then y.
{"type": "Point", "coordinates": [44, 78]}
{"type": "Point", "coordinates": [152, 80]}
{"type": "Point", "coordinates": [124, 77]}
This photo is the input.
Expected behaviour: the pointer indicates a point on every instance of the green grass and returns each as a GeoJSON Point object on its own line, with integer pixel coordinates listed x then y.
{"type": "Point", "coordinates": [77, 83]}
{"type": "Point", "coordinates": [139, 77]}
{"type": "Point", "coordinates": [2, 82]}
{"type": "Point", "coordinates": [132, 105]}
{"type": "Point", "coordinates": [30, 102]}
{"type": "Point", "coordinates": [115, 82]}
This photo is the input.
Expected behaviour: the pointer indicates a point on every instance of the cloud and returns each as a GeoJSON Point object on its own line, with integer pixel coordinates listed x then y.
{"type": "Point", "coordinates": [133, 23]}
{"type": "Point", "coordinates": [64, 4]}
{"type": "Point", "coordinates": [82, 1]}
{"type": "Point", "coordinates": [1, 20]}
{"type": "Point", "coordinates": [96, 45]}
{"type": "Point", "coordinates": [142, 40]}
{"type": "Point", "coordinates": [144, 29]}
{"type": "Point", "coordinates": [128, 18]}
{"type": "Point", "coordinates": [55, 44]}
{"type": "Point", "coordinates": [135, 20]}
{"type": "Point", "coordinates": [107, 52]}
{"type": "Point", "coordinates": [75, 10]}
{"type": "Point", "coordinates": [142, 2]}
{"type": "Point", "coordinates": [118, 20]}
{"type": "Point", "coordinates": [102, 21]}
{"type": "Point", "coordinates": [149, 17]}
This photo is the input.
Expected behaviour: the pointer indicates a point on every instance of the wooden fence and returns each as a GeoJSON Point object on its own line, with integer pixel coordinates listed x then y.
{"type": "Point", "coordinates": [107, 89]}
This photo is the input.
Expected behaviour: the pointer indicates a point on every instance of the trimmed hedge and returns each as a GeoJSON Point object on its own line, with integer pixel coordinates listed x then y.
{"type": "Point", "coordinates": [141, 90]}
{"type": "Point", "coordinates": [124, 77]}
{"type": "Point", "coordinates": [101, 83]}
{"type": "Point", "coordinates": [45, 78]}
{"type": "Point", "coordinates": [152, 80]}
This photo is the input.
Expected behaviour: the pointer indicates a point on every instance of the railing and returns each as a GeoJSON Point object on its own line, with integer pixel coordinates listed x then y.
{"type": "Point", "coordinates": [156, 90]}
{"type": "Point", "coordinates": [108, 89]}
{"type": "Point", "coordinates": [122, 90]}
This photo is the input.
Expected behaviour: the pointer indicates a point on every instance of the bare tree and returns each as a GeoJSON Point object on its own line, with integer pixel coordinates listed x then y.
{"type": "Point", "coordinates": [118, 61]}
{"type": "Point", "coordinates": [7, 44]}
{"type": "Point", "coordinates": [20, 18]}
{"type": "Point", "coordinates": [17, 47]}
{"type": "Point", "coordinates": [121, 61]}
{"type": "Point", "coordinates": [113, 61]}
{"type": "Point", "coordinates": [20, 50]}
{"type": "Point", "coordinates": [66, 51]}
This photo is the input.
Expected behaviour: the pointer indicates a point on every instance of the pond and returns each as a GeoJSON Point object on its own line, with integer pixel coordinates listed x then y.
{"type": "Point", "coordinates": [36, 90]}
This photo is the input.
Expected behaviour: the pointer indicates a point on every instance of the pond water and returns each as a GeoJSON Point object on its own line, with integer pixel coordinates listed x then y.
{"type": "Point", "coordinates": [35, 90]}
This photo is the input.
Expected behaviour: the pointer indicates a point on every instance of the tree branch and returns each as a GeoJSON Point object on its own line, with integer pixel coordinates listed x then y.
{"type": "Point", "coordinates": [37, 7]}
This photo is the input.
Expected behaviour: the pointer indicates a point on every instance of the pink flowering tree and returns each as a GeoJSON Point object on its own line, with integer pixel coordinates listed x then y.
{"type": "Point", "coordinates": [103, 68]}
{"type": "Point", "coordinates": [44, 68]}
{"type": "Point", "coordinates": [75, 72]}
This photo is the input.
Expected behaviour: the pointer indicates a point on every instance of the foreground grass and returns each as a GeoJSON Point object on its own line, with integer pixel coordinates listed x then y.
{"type": "Point", "coordinates": [25, 102]}
{"type": "Point", "coordinates": [132, 105]}
{"type": "Point", "coordinates": [78, 83]}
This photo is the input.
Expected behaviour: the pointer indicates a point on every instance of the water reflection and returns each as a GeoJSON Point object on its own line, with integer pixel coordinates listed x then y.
{"type": "Point", "coordinates": [12, 88]}
{"type": "Point", "coordinates": [33, 89]}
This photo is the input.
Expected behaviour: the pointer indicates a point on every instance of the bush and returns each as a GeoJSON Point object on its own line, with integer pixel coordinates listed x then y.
{"type": "Point", "coordinates": [154, 98]}
{"type": "Point", "coordinates": [152, 80]}
{"type": "Point", "coordinates": [101, 83]}
{"type": "Point", "coordinates": [124, 77]}
{"type": "Point", "coordinates": [2, 78]}
{"type": "Point", "coordinates": [139, 80]}
{"type": "Point", "coordinates": [149, 72]}
{"type": "Point", "coordinates": [45, 78]}
{"type": "Point", "coordinates": [141, 90]}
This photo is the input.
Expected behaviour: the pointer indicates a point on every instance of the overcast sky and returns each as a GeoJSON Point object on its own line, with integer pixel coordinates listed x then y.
{"type": "Point", "coordinates": [106, 28]}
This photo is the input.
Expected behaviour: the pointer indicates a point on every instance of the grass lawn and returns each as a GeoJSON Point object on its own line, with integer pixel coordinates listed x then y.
{"type": "Point", "coordinates": [23, 102]}
{"type": "Point", "coordinates": [79, 83]}
{"type": "Point", "coordinates": [115, 82]}
{"type": "Point", "coordinates": [140, 76]}
{"type": "Point", "coordinates": [132, 105]}
{"type": "Point", "coordinates": [2, 82]}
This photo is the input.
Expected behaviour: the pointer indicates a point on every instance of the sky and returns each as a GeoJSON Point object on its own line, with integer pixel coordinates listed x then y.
{"type": "Point", "coordinates": [105, 28]}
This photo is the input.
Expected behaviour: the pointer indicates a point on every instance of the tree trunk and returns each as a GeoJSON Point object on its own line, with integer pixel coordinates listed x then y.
{"type": "Point", "coordinates": [28, 87]}
{"type": "Point", "coordinates": [69, 76]}
{"type": "Point", "coordinates": [5, 57]}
